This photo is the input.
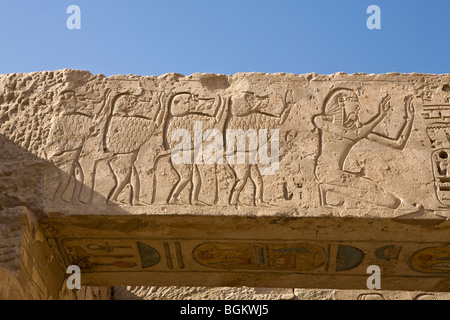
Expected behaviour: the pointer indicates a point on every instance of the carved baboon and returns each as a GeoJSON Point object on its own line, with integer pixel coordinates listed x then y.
{"type": "Point", "coordinates": [118, 141]}
{"type": "Point", "coordinates": [185, 109]}
{"type": "Point", "coordinates": [67, 135]}
{"type": "Point", "coordinates": [251, 112]}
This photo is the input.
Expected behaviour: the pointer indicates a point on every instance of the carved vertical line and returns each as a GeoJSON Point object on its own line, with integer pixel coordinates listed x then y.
{"type": "Point", "coordinates": [179, 255]}
{"type": "Point", "coordinates": [266, 253]}
{"type": "Point", "coordinates": [327, 262]}
{"type": "Point", "coordinates": [168, 256]}
{"type": "Point", "coordinates": [216, 198]}
{"type": "Point", "coordinates": [258, 256]}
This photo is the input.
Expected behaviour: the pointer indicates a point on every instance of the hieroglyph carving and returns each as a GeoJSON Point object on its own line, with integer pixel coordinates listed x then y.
{"type": "Point", "coordinates": [115, 255]}
{"type": "Point", "coordinates": [437, 117]}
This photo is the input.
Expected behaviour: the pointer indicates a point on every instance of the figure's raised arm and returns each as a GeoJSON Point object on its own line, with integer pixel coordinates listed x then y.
{"type": "Point", "coordinates": [323, 123]}
{"type": "Point", "coordinates": [350, 133]}
{"type": "Point", "coordinates": [223, 102]}
{"type": "Point", "coordinates": [160, 114]}
{"type": "Point", "coordinates": [402, 137]}
{"type": "Point", "coordinates": [288, 102]}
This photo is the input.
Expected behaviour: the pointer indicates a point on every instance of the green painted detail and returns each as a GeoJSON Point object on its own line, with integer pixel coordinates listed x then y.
{"type": "Point", "coordinates": [348, 257]}
{"type": "Point", "coordinates": [388, 252]}
{"type": "Point", "coordinates": [149, 255]}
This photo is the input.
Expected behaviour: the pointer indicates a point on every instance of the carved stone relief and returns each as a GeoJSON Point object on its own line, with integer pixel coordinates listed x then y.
{"type": "Point", "coordinates": [340, 149]}
{"type": "Point", "coordinates": [103, 135]}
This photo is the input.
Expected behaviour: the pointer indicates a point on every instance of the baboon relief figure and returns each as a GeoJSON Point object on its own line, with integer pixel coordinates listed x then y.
{"type": "Point", "coordinates": [185, 111]}
{"type": "Point", "coordinates": [118, 140]}
{"type": "Point", "coordinates": [248, 114]}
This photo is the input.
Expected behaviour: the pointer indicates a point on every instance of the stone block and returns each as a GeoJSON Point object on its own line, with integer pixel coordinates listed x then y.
{"type": "Point", "coordinates": [256, 180]}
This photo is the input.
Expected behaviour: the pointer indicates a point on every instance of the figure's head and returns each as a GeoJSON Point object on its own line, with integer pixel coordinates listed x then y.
{"type": "Point", "coordinates": [257, 102]}
{"type": "Point", "coordinates": [124, 103]}
{"type": "Point", "coordinates": [342, 107]}
{"type": "Point", "coordinates": [181, 103]}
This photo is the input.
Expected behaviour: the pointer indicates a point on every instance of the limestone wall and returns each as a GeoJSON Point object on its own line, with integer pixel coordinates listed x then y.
{"type": "Point", "coordinates": [255, 180]}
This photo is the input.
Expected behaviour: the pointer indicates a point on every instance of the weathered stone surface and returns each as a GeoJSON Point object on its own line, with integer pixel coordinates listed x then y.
{"type": "Point", "coordinates": [245, 293]}
{"type": "Point", "coordinates": [29, 267]}
{"type": "Point", "coordinates": [201, 293]}
{"type": "Point", "coordinates": [350, 171]}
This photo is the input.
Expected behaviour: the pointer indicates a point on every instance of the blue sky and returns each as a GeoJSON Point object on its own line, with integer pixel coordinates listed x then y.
{"type": "Point", "coordinates": [147, 37]}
